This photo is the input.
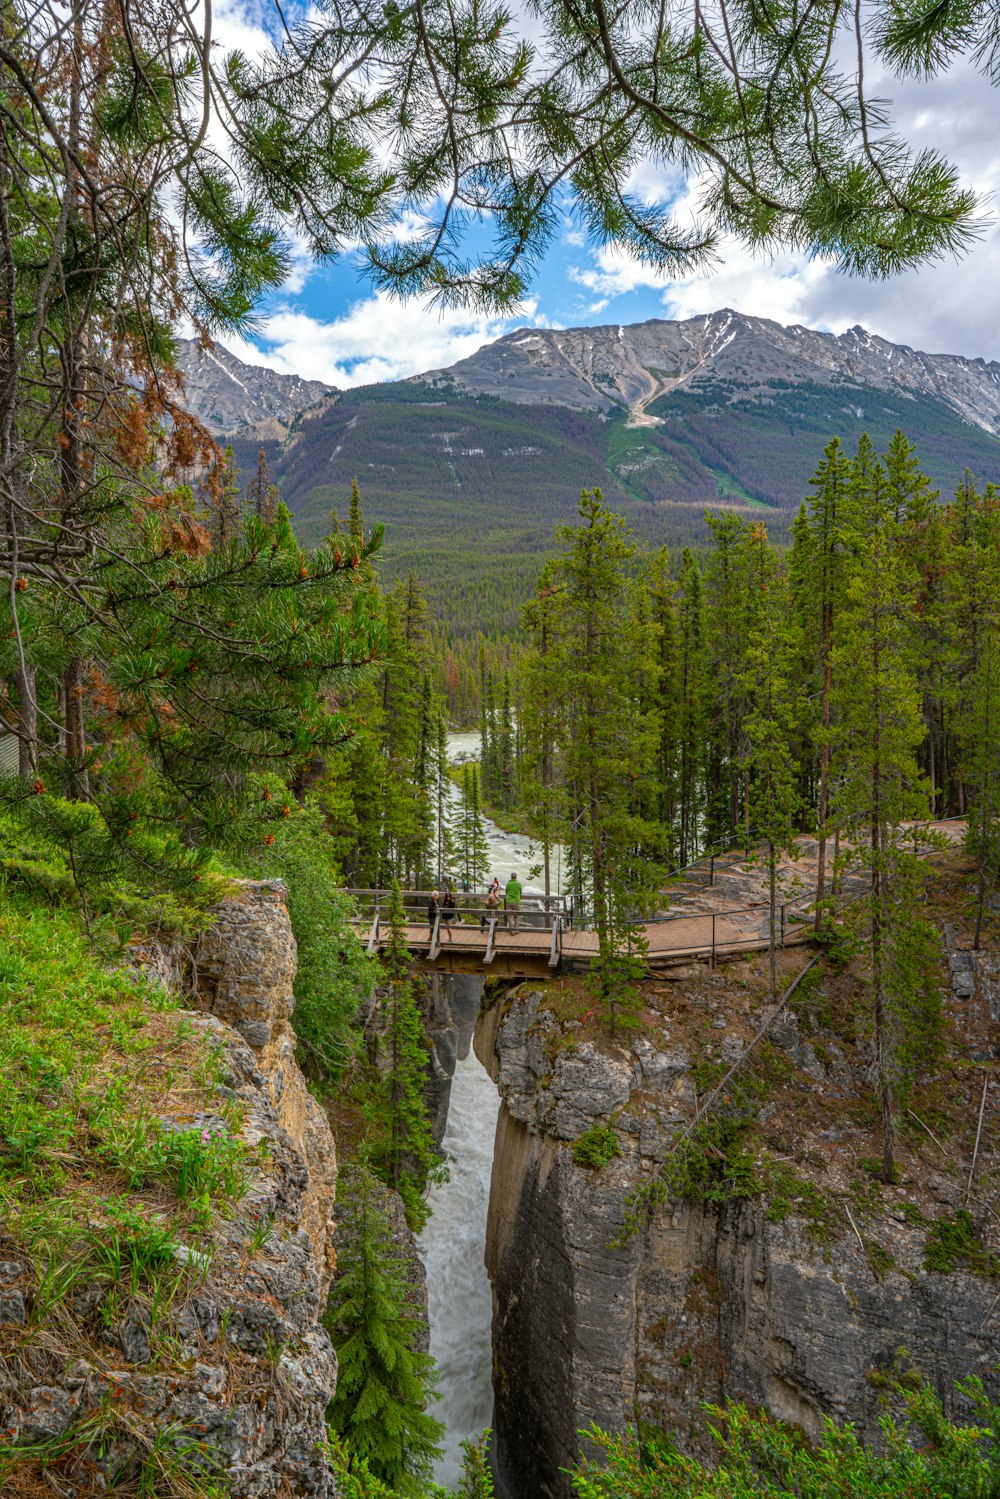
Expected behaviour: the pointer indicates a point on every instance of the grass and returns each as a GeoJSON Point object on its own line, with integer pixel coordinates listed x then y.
{"type": "Point", "coordinates": [115, 1157]}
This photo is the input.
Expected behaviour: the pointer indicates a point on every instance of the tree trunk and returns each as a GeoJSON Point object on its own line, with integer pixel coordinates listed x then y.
{"type": "Point", "coordinates": [27, 707]}
{"type": "Point", "coordinates": [824, 770]}
{"type": "Point", "coordinates": [76, 743]}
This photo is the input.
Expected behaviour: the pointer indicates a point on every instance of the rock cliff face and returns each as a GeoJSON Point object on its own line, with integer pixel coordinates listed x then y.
{"type": "Point", "coordinates": [599, 369]}
{"type": "Point", "coordinates": [767, 1296]}
{"type": "Point", "coordinates": [245, 967]}
{"type": "Point", "coordinates": [246, 400]}
{"type": "Point", "coordinates": [233, 1375]}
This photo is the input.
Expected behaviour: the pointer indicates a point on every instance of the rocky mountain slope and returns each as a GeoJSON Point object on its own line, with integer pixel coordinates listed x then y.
{"type": "Point", "coordinates": [630, 368]}
{"type": "Point", "coordinates": [231, 397]}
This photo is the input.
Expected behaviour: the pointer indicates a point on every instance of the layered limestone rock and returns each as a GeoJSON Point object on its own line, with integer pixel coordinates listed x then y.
{"type": "Point", "coordinates": [230, 1377]}
{"type": "Point", "coordinates": [244, 972]}
{"type": "Point", "coordinates": [772, 1301]}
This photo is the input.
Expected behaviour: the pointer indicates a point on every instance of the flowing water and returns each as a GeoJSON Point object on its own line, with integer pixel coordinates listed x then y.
{"type": "Point", "coordinates": [453, 1244]}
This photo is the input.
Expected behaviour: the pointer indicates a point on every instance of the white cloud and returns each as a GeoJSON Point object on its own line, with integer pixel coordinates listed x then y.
{"type": "Point", "coordinates": [949, 306]}
{"type": "Point", "coordinates": [376, 339]}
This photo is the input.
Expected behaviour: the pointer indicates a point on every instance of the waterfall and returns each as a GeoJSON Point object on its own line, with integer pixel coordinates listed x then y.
{"type": "Point", "coordinates": [453, 1244]}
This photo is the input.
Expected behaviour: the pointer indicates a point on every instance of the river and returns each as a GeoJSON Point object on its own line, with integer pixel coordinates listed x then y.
{"type": "Point", "coordinates": [453, 1243]}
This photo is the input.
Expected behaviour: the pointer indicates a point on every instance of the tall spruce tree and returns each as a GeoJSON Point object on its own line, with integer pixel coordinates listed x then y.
{"type": "Point", "coordinates": [402, 1148]}
{"type": "Point", "coordinates": [473, 845]}
{"type": "Point", "coordinates": [692, 706]}
{"type": "Point", "coordinates": [879, 730]}
{"type": "Point", "coordinates": [384, 1381]}
{"type": "Point", "coordinates": [819, 589]}
{"type": "Point", "coordinates": [772, 773]}
{"type": "Point", "coordinates": [608, 743]}
{"type": "Point", "coordinates": [542, 791]}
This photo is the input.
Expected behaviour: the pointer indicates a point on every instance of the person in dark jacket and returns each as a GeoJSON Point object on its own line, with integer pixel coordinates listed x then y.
{"type": "Point", "coordinates": [448, 909]}
{"type": "Point", "coordinates": [432, 909]}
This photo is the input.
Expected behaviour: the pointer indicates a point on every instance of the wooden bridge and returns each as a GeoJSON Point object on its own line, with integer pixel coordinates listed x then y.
{"type": "Point", "coordinates": [711, 917]}
{"type": "Point", "coordinates": [541, 938]}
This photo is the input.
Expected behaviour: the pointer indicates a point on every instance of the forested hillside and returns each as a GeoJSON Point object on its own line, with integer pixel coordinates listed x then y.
{"type": "Point", "coordinates": [468, 482]}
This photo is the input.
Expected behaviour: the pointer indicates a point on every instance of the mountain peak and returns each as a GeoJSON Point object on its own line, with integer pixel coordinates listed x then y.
{"type": "Point", "coordinates": [234, 399]}
{"type": "Point", "coordinates": [628, 368]}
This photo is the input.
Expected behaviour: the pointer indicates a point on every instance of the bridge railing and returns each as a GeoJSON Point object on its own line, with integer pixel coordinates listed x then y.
{"type": "Point", "coordinates": [471, 913]}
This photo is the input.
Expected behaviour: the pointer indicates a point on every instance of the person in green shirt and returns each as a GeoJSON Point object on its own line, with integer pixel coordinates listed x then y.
{"type": "Point", "coordinates": [512, 901]}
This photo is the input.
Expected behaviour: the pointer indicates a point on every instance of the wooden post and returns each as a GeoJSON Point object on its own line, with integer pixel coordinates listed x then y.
{"type": "Point", "coordinates": [488, 959]}
{"type": "Point", "coordinates": [554, 950]}
{"type": "Point", "coordinates": [373, 935]}
{"type": "Point", "coordinates": [713, 942]}
{"type": "Point", "coordinates": [432, 951]}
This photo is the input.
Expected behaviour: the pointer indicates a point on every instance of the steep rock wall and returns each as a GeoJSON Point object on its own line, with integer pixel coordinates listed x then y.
{"type": "Point", "coordinates": [706, 1301]}
{"type": "Point", "coordinates": [243, 974]}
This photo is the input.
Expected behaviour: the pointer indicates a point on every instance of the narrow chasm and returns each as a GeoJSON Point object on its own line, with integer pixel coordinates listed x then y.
{"type": "Point", "coordinates": [452, 1246]}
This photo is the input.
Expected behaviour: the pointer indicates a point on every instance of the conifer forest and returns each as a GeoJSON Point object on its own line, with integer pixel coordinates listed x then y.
{"type": "Point", "coordinates": [499, 910]}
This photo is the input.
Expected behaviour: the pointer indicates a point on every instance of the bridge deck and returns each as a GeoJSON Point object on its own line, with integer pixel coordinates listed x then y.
{"type": "Point", "coordinates": [462, 947]}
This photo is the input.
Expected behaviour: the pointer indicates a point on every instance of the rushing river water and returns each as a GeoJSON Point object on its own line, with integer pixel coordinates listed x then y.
{"type": "Point", "coordinates": [453, 1244]}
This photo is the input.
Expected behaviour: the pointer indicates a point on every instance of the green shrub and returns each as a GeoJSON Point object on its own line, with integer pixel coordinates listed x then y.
{"type": "Point", "coordinates": [953, 1244]}
{"type": "Point", "coordinates": [334, 978]}
{"type": "Point", "coordinates": [596, 1147]}
{"type": "Point", "coordinates": [922, 1456]}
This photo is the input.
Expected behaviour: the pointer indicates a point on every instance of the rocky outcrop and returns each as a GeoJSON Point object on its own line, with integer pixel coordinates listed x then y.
{"type": "Point", "coordinates": [243, 975]}
{"type": "Point", "coordinates": [775, 1296]}
{"type": "Point", "coordinates": [226, 1373]}
{"type": "Point", "coordinates": [237, 399]}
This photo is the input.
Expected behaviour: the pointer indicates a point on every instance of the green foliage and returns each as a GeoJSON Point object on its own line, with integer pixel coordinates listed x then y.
{"type": "Point", "coordinates": [922, 1456]}
{"type": "Point", "coordinates": [953, 1243]}
{"type": "Point", "coordinates": [880, 728]}
{"type": "Point", "coordinates": [333, 977]}
{"type": "Point", "coordinates": [601, 733]}
{"type": "Point", "coordinates": [596, 1147]}
{"type": "Point", "coordinates": [119, 876]}
{"type": "Point", "coordinates": [400, 1145]}
{"type": "Point", "coordinates": [384, 1383]}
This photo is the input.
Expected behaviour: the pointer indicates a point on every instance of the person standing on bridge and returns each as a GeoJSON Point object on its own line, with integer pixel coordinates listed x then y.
{"type": "Point", "coordinates": [448, 909]}
{"type": "Point", "coordinates": [512, 902]}
{"type": "Point", "coordinates": [432, 909]}
{"type": "Point", "coordinates": [492, 901]}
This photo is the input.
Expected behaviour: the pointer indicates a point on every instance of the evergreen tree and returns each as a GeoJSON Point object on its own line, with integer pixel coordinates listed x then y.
{"type": "Point", "coordinates": [879, 733]}
{"type": "Point", "coordinates": [402, 1148]}
{"type": "Point", "coordinates": [773, 795]}
{"type": "Point", "coordinates": [542, 794]}
{"type": "Point", "coordinates": [384, 1382]}
{"type": "Point", "coordinates": [261, 496]}
{"type": "Point", "coordinates": [976, 601]}
{"type": "Point", "coordinates": [506, 748]}
{"type": "Point", "coordinates": [666, 690]}
{"type": "Point", "coordinates": [819, 592]}
{"type": "Point", "coordinates": [692, 714]}
{"type": "Point", "coordinates": [474, 849]}
{"type": "Point", "coordinates": [728, 598]}
{"type": "Point", "coordinates": [444, 835]}
{"type": "Point", "coordinates": [608, 743]}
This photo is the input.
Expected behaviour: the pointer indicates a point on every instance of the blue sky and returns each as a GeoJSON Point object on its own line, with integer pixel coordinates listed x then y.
{"type": "Point", "coordinates": [327, 324]}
